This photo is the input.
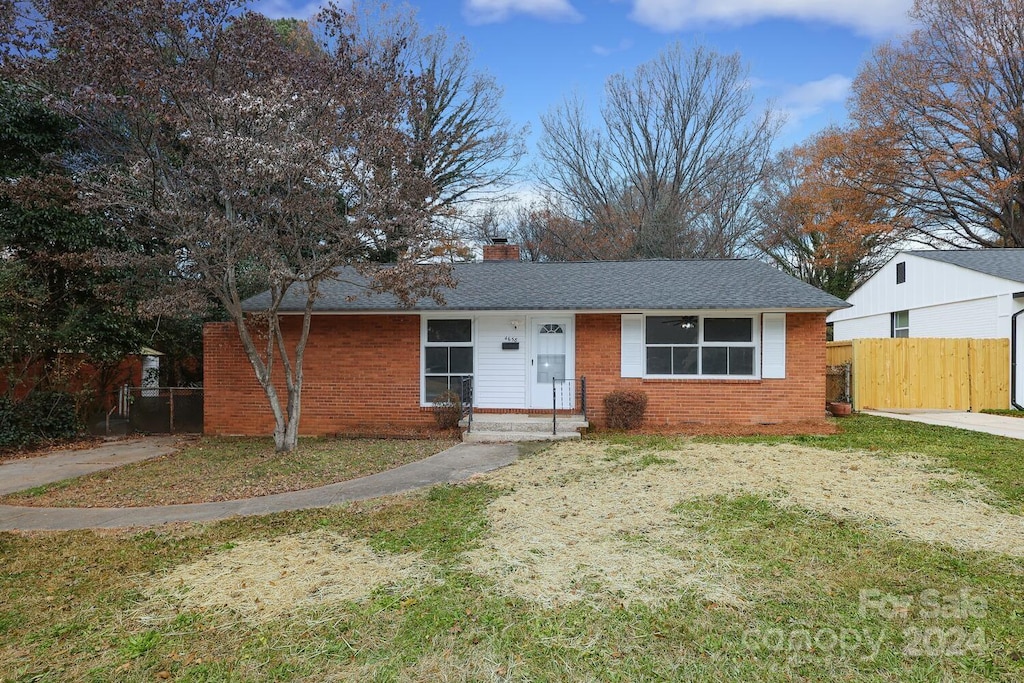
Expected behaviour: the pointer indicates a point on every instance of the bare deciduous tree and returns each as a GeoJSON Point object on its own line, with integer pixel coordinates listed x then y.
{"type": "Point", "coordinates": [461, 140]}
{"type": "Point", "coordinates": [232, 153]}
{"type": "Point", "coordinates": [950, 100]}
{"type": "Point", "coordinates": [673, 165]}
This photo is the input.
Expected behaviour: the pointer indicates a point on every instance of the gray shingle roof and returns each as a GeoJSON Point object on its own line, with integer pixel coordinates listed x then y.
{"type": "Point", "coordinates": [593, 285]}
{"type": "Point", "coordinates": [1005, 263]}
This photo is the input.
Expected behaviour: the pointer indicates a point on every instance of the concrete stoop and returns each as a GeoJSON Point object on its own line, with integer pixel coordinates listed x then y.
{"type": "Point", "coordinates": [492, 428]}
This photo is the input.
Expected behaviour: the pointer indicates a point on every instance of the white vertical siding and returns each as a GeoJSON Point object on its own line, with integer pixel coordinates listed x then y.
{"type": "Point", "coordinates": [868, 326]}
{"type": "Point", "coordinates": [975, 319]}
{"type": "Point", "coordinates": [500, 375]}
{"type": "Point", "coordinates": [929, 283]}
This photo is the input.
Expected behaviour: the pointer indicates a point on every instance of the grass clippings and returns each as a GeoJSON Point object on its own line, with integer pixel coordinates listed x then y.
{"type": "Point", "coordinates": [590, 519]}
{"type": "Point", "coordinates": [992, 460]}
{"type": "Point", "coordinates": [578, 525]}
{"type": "Point", "coordinates": [262, 580]}
{"type": "Point", "coordinates": [224, 468]}
{"type": "Point", "coordinates": [815, 427]}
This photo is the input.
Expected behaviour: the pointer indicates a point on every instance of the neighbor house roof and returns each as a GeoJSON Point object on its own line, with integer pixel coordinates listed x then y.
{"type": "Point", "coordinates": [1005, 263]}
{"type": "Point", "coordinates": [592, 285]}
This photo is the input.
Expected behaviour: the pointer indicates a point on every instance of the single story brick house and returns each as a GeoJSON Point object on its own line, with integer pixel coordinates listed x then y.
{"type": "Point", "coordinates": [709, 341]}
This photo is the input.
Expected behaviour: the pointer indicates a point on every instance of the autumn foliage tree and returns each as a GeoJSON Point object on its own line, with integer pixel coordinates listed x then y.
{"type": "Point", "coordinates": [237, 159]}
{"type": "Point", "coordinates": [950, 100]}
{"type": "Point", "coordinates": [820, 219]}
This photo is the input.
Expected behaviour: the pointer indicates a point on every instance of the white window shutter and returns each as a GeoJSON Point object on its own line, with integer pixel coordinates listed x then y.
{"type": "Point", "coordinates": [632, 345]}
{"type": "Point", "coordinates": [773, 346]}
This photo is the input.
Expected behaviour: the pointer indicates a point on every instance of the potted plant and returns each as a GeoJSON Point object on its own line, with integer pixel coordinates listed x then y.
{"type": "Point", "coordinates": [841, 407]}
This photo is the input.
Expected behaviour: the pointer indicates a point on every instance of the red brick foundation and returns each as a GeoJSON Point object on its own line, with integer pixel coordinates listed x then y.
{"type": "Point", "coordinates": [800, 397]}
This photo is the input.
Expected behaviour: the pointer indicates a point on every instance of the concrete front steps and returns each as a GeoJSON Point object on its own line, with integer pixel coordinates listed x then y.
{"type": "Point", "coordinates": [491, 428]}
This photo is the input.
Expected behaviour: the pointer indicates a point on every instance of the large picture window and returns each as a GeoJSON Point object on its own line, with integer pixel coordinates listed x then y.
{"type": "Point", "coordinates": [695, 346]}
{"type": "Point", "coordinates": [447, 356]}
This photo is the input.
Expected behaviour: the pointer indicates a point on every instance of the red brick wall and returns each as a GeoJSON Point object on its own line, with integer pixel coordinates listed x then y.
{"type": "Point", "coordinates": [361, 376]}
{"type": "Point", "coordinates": [73, 372]}
{"type": "Point", "coordinates": [798, 397]}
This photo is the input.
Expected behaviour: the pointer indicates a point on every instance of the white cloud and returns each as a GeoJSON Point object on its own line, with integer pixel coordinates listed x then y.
{"type": "Point", "coordinates": [605, 51]}
{"type": "Point", "coordinates": [834, 88]}
{"type": "Point", "coordinates": [277, 9]}
{"type": "Point", "coordinates": [873, 17]}
{"type": "Point", "coordinates": [491, 11]}
{"type": "Point", "coordinates": [803, 101]}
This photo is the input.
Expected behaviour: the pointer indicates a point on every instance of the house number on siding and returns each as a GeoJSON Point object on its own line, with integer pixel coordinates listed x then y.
{"type": "Point", "coordinates": [514, 340]}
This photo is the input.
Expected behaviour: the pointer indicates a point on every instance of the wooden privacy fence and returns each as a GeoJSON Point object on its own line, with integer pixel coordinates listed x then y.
{"type": "Point", "coordinates": [837, 353]}
{"type": "Point", "coordinates": [955, 374]}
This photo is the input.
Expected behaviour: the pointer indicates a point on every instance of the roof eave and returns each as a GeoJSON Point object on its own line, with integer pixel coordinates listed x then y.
{"type": "Point", "coordinates": [577, 309]}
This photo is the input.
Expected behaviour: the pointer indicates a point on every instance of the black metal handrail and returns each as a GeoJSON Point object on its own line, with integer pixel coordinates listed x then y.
{"type": "Point", "coordinates": [466, 396]}
{"type": "Point", "coordinates": [560, 388]}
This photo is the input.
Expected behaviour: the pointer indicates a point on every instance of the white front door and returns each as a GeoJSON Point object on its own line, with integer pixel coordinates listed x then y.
{"type": "Point", "coordinates": [551, 363]}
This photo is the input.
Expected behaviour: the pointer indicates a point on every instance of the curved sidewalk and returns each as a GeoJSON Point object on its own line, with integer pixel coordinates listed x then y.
{"type": "Point", "coordinates": [458, 463]}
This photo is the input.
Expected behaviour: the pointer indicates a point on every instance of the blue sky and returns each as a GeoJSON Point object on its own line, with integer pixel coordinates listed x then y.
{"type": "Point", "coordinates": [802, 54]}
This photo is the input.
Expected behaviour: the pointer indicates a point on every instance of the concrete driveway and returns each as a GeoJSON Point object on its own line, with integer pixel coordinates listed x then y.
{"type": "Point", "coordinates": [999, 425]}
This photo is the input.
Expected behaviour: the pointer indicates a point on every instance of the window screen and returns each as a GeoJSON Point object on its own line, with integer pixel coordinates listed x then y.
{"type": "Point", "coordinates": [447, 357]}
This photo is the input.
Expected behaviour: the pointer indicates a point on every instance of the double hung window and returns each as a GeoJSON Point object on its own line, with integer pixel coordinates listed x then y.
{"type": "Point", "coordinates": [900, 324]}
{"type": "Point", "coordinates": [447, 356]}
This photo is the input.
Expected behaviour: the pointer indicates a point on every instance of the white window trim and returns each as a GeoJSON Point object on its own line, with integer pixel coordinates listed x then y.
{"type": "Point", "coordinates": [896, 329]}
{"type": "Point", "coordinates": [424, 344]}
{"type": "Point", "coordinates": [755, 343]}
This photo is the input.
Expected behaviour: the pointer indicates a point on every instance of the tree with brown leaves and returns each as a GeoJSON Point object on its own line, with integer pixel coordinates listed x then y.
{"type": "Point", "coordinates": [818, 220]}
{"type": "Point", "coordinates": [950, 100]}
{"type": "Point", "coordinates": [235, 158]}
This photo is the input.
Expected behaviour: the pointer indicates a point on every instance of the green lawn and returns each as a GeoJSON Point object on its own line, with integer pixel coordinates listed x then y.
{"type": "Point", "coordinates": [1004, 413]}
{"type": "Point", "coordinates": [820, 596]}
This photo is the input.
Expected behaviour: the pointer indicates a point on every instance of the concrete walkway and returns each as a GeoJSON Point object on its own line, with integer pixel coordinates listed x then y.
{"type": "Point", "coordinates": [999, 425]}
{"type": "Point", "coordinates": [18, 475]}
{"type": "Point", "coordinates": [458, 463]}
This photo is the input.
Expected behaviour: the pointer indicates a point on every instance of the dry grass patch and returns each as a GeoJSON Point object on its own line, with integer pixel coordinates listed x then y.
{"type": "Point", "coordinates": [587, 518]}
{"type": "Point", "coordinates": [447, 660]}
{"type": "Point", "coordinates": [220, 468]}
{"type": "Point", "coordinates": [263, 580]}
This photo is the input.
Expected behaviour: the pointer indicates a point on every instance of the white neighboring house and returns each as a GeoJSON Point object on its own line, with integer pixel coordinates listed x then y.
{"type": "Point", "coordinates": [975, 293]}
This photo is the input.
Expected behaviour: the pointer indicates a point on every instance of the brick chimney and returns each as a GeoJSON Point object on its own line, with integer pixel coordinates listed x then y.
{"type": "Point", "coordinates": [500, 250]}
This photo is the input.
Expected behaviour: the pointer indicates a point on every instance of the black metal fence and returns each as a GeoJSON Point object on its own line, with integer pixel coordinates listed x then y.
{"type": "Point", "coordinates": [164, 410]}
{"type": "Point", "coordinates": [466, 396]}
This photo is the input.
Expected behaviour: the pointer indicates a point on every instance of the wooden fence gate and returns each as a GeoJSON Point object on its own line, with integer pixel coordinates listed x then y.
{"type": "Point", "coordinates": [953, 374]}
